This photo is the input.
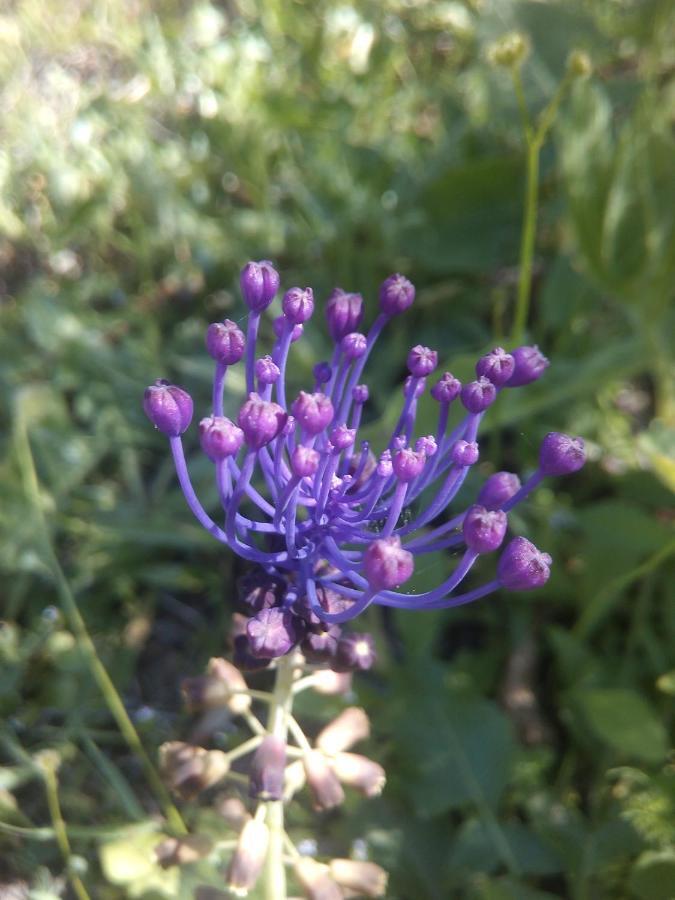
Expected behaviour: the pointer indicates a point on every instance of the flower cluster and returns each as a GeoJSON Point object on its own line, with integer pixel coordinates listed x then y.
{"type": "Point", "coordinates": [332, 524]}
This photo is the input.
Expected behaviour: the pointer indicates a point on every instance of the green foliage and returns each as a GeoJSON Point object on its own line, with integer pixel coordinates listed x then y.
{"type": "Point", "coordinates": [148, 150]}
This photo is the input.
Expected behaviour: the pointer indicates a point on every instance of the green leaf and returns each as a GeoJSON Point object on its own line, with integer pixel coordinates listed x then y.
{"type": "Point", "coordinates": [624, 721]}
{"type": "Point", "coordinates": [653, 876]}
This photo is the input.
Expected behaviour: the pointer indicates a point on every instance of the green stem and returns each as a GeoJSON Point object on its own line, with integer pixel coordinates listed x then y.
{"type": "Point", "coordinates": [52, 790]}
{"type": "Point", "coordinates": [277, 724]}
{"type": "Point", "coordinates": [527, 238]}
{"type": "Point", "coordinates": [79, 629]}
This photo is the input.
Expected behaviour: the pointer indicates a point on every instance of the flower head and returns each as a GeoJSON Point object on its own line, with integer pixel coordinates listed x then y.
{"type": "Point", "coordinates": [331, 523]}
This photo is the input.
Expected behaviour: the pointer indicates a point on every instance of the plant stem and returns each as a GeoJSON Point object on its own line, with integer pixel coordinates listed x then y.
{"type": "Point", "coordinates": [52, 790]}
{"type": "Point", "coordinates": [277, 724]}
{"type": "Point", "coordinates": [527, 238]}
{"type": "Point", "coordinates": [79, 629]}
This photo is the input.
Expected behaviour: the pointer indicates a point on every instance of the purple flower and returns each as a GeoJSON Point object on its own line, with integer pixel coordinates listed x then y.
{"type": "Point", "coordinates": [331, 523]}
{"type": "Point", "coordinates": [266, 777]}
{"type": "Point", "coordinates": [168, 407]}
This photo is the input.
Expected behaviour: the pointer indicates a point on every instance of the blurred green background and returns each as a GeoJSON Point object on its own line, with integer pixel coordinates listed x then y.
{"type": "Point", "coordinates": [147, 151]}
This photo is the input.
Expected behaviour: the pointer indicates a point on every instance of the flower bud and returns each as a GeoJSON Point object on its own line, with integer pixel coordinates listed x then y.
{"type": "Point", "coordinates": [279, 326]}
{"type": "Point", "coordinates": [422, 361]}
{"type": "Point", "coordinates": [366, 879]}
{"type": "Point", "coordinates": [266, 370]}
{"type": "Point", "coordinates": [315, 880]}
{"type": "Point", "coordinates": [225, 342]}
{"type": "Point", "coordinates": [183, 850]}
{"type": "Point", "coordinates": [271, 633]}
{"type": "Point", "coordinates": [314, 412]}
{"type": "Point", "coordinates": [509, 51]}
{"type": "Point", "coordinates": [360, 773]}
{"type": "Point", "coordinates": [354, 652]}
{"type": "Point", "coordinates": [304, 461]}
{"type": "Point", "coordinates": [168, 407]}
{"type": "Point", "coordinates": [561, 454]}
{"type": "Point", "coordinates": [326, 790]}
{"type": "Point", "coordinates": [478, 395]}
{"type": "Point", "coordinates": [344, 313]}
{"type": "Point", "coordinates": [498, 488]}
{"type": "Point", "coordinates": [219, 688]}
{"type": "Point", "coordinates": [384, 466]}
{"type": "Point", "coordinates": [298, 305]}
{"type": "Point", "coordinates": [342, 437]}
{"type": "Point", "coordinates": [243, 656]}
{"type": "Point", "coordinates": [387, 564]}
{"type": "Point", "coordinates": [260, 420]}
{"type": "Point", "coordinates": [347, 729]}
{"type": "Point", "coordinates": [257, 590]}
{"type": "Point", "coordinates": [530, 365]}
{"type": "Point", "coordinates": [464, 453]}
{"type": "Point", "coordinates": [248, 858]}
{"type": "Point", "coordinates": [231, 678]}
{"type": "Point", "coordinates": [330, 683]}
{"type": "Point", "coordinates": [321, 645]}
{"type": "Point", "coordinates": [522, 567]}
{"type": "Point", "coordinates": [233, 812]}
{"type": "Point", "coordinates": [219, 437]}
{"type": "Point", "coordinates": [396, 295]}
{"type": "Point", "coordinates": [268, 764]}
{"type": "Point", "coordinates": [445, 390]}
{"type": "Point", "coordinates": [579, 64]}
{"type": "Point", "coordinates": [322, 372]}
{"type": "Point", "coordinates": [484, 529]}
{"type": "Point", "coordinates": [408, 464]}
{"type": "Point", "coordinates": [259, 283]}
{"type": "Point", "coordinates": [497, 366]}
{"type": "Point", "coordinates": [353, 345]}
{"type": "Point", "coordinates": [189, 770]}
{"type": "Point", "coordinates": [360, 394]}
{"type": "Point", "coordinates": [427, 445]}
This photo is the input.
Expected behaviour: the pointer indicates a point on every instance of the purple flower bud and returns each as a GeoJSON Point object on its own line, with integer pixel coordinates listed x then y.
{"type": "Point", "coordinates": [271, 633]}
{"type": "Point", "coordinates": [355, 651]}
{"type": "Point", "coordinates": [426, 445]}
{"type": "Point", "coordinates": [530, 365]}
{"type": "Point", "coordinates": [384, 467]}
{"type": "Point", "coordinates": [266, 777]}
{"type": "Point", "coordinates": [314, 412]}
{"type": "Point", "coordinates": [304, 461]}
{"type": "Point", "coordinates": [420, 384]}
{"type": "Point", "coordinates": [446, 389]}
{"type": "Point", "coordinates": [279, 326]}
{"type": "Point", "coordinates": [219, 437]}
{"type": "Point", "coordinates": [344, 313]}
{"type": "Point", "coordinates": [315, 880]}
{"type": "Point", "coordinates": [225, 342]}
{"type": "Point", "coordinates": [260, 420]}
{"type": "Point", "coordinates": [189, 770]}
{"type": "Point", "coordinates": [298, 305]}
{"type": "Point", "coordinates": [322, 372]}
{"type": "Point", "coordinates": [342, 437]}
{"type": "Point", "coordinates": [522, 567]}
{"type": "Point", "coordinates": [408, 464]}
{"type": "Point", "coordinates": [499, 488]}
{"type": "Point", "coordinates": [396, 295]}
{"type": "Point", "coordinates": [168, 407]}
{"type": "Point", "coordinates": [360, 878]}
{"type": "Point", "coordinates": [266, 370]}
{"type": "Point", "coordinates": [289, 427]}
{"type": "Point", "coordinates": [399, 442]}
{"type": "Point", "coordinates": [478, 395]}
{"type": "Point", "coordinates": [320, 645]}
{"type": "Point", "coordinates": [464, 453]}
{"type": "Point", "coordinates": [561, 454]}
{"type": "Point", "coordinates": [259, 283]}
{"type": "Point", "coordinates": [243, 658]}
{"type": "Point", "coordinates": [497, 366]}
{"type": "Point", "coordinates": [360, 394]}
{"type": "Point", "coordinates": [422, 361]}
{"type": "Point", "coordinates": [326, 790]}
{"type": "Point", "coordinates": [353, 345]}
{"type": "Point", "coordinates": [386, 564]}
{"type": "Point", "coordinates": [347, 729]}
{"type": "Point", "coordinates": [484, 529]}
{"type": "Point", "coordinates": [258, 590]}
